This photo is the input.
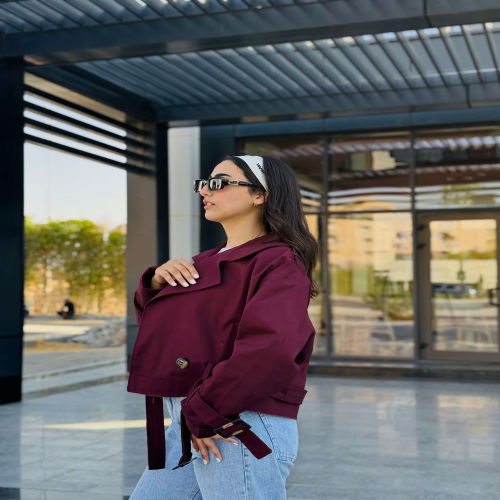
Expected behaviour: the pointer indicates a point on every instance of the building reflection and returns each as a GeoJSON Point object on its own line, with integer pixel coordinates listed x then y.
{"type": "Point", "coordinates": [373, 189]}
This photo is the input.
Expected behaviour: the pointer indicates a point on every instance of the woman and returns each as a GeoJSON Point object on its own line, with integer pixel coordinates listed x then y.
{"type": "Point", "coordinates": [229, 358]}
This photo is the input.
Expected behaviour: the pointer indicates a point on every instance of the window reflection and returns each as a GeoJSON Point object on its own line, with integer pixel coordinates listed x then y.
{"type": "Point", "coordinates": [369, 173]}
{"type": "Point", "coordinates": [371, 268]}
{"type": "Point", "coordinates": [458, 168]}
{"type": "Point", "coordinates": [316, 308]}
{"type": "Point", "coordinates": [463, 266]}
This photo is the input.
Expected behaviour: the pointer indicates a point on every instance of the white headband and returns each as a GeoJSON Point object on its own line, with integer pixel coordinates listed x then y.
{"type": "Point", "coordinates": [256, 166]}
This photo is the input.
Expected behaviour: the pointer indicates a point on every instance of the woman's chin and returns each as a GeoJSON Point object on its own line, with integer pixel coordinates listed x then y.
{"type": "Point", "coordinates": [209, 215]}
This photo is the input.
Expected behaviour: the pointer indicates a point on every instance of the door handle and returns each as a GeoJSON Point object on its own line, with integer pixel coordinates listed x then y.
{"type": "Point", "coordinates": [490, 296]}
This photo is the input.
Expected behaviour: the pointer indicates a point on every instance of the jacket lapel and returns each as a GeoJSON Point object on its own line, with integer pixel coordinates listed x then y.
{"type": "Point", "coordinates": [207, 264]}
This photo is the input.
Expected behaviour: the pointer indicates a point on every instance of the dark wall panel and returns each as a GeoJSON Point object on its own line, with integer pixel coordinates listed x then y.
{"type": "Point", "coordinates": [11, 230]}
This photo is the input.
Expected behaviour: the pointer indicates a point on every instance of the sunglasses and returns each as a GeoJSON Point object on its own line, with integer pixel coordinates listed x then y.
{"type": "Point", "coordinates": [215, 184]}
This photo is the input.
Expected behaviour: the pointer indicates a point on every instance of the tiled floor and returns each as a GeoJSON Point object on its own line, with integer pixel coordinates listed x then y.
{"type": "Point", "coordinates": [47, 385]}
{"type": "Point", "coordinates": [359, 440]}
{"type": "Point", "coordinates": [43, 361]}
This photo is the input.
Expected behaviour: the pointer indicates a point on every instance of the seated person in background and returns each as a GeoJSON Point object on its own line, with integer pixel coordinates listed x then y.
{"type": "Point", "coordinates": [68, 310]}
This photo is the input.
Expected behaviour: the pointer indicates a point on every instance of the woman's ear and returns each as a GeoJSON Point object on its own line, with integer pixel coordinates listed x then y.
{"type": "Point", "coordinates": [261, 196]}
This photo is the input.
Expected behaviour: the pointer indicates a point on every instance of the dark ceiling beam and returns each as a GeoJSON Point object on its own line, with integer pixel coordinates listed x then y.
{"type": "Point", "coordinates": [457, 96]}
{"type": "Point", "coordinates": [247, 27]}
{"type": "Point", "coordinates": [92, 86]}
{"type": "Point", "coordinates": [453, 12]}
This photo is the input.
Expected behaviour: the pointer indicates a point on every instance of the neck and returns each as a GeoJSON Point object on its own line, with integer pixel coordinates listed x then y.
{"type": "Point", "coordinates": [237, 235]}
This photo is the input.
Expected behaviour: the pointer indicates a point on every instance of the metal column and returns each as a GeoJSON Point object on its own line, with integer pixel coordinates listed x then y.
{"type": "Point", "coordinates": [162, 198]}
{"type": "Point", "coordinates": [325, 268]}
{"type": "Point", "coordinates": [11, 230]}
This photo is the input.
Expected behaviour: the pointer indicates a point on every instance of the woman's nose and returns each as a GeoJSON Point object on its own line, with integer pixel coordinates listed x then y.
{"type": "Point", "coordinates": [204, 190]}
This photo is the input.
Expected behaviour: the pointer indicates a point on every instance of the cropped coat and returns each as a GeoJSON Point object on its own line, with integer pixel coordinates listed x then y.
{"type": "Point", "coordinates": [239, 339]}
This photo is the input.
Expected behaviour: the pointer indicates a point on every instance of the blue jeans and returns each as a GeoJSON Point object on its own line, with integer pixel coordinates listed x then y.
{"type": "Point", "coordinates": [239, 476]}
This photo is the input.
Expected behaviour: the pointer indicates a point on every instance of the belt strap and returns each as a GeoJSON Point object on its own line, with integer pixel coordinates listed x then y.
{"type": "Point", "coordinates": [155, 430]}
{"type": "Point", "coordinates": [155, 427]}
{"type": "Point", "coordinates": [255, 445]}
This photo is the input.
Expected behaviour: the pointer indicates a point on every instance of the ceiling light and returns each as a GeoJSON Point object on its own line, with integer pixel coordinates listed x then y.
{"type": "Point", "coordinates": [140, 2]}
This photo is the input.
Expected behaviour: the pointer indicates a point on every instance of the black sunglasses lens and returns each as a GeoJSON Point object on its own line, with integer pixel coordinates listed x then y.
{"type": "Point", "coordinates": [214, 184]}
{"type": "Point", "coordinates": [198, 185]}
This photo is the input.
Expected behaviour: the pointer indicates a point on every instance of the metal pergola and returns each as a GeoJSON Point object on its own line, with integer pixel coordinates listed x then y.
{"type": "Point", "coordinates": [208, 60]}
{"type": "Point", "coordinates": [236, 67]}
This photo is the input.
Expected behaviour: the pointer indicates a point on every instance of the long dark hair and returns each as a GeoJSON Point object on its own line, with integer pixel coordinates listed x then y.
{"type": "Point", "coordinates": [282, 212]}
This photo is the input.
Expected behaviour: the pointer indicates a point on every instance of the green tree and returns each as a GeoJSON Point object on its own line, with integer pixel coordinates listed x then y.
{"type": "Point", "coordinates": [79, 253]}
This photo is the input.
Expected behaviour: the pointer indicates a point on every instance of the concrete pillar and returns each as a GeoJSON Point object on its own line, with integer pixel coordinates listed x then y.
{"type": "Point", "coordinates": [142, 250]}
{"type": "Point", "coordinates": [184, 203]}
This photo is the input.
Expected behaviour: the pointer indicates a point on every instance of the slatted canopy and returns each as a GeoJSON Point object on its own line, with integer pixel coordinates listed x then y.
{"type": "Point", "coordinates": [210, 60]}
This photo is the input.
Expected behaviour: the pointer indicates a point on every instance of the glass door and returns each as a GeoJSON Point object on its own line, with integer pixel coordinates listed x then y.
{"type": "Point", "coordinates": [458, 257]}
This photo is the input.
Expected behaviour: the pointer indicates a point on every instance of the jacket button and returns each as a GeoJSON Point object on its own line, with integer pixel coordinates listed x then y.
{"type": "Point", "coordinates": [182, 363]}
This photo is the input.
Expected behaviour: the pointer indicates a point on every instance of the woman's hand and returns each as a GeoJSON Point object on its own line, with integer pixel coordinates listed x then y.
{"type": "Point", "coordinates": [204, 444]}
{"type": "Point", "coordinates": [175, 269]}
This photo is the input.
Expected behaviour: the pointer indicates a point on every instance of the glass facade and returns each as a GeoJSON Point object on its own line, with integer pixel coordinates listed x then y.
{"type": "Point", "coordinates": [370, 259]}
{"type": "Point", "coordinates": [410, 224]}
{"type": "Point", "coordinates": [368, 173]}
{"type": "Point", "coordinates": [458, 168]}
{"type": "Point", "coordinates": [463, 266]}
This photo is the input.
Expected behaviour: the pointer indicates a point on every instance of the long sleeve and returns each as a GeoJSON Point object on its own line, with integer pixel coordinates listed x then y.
{"type": "Point", "coordinates": [143, 292]}
{"type": "Point", "coordinates": [273, 329]}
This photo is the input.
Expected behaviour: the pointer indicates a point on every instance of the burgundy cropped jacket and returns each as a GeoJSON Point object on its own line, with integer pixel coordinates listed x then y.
{"type": "Point", "coordinates": [239, 339]}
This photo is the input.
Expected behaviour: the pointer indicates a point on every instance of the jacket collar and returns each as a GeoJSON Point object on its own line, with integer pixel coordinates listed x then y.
{"type": "Point", "coordinates": [240, 251]}
{"type": "Point", "coordinates": [207, 263]}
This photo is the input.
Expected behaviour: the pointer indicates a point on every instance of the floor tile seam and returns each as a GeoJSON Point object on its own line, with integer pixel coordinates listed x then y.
{"type": "Point", "coordinates": [42, 393]}
{"type": "Point", "coordinates": [62, 371]}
